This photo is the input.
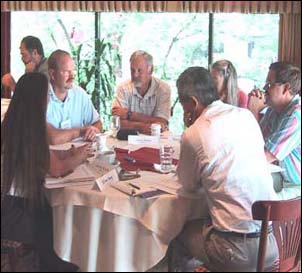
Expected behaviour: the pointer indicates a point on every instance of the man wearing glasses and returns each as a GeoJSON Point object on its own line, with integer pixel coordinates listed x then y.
{"type": "Point", "coordinates": [281, 124]}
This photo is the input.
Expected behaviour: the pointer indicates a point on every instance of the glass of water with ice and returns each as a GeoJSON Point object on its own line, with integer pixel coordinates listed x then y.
{"type": "Point", "coordinates": [166, 158]}
{"type": "Point", "coordinates": [115, 125]}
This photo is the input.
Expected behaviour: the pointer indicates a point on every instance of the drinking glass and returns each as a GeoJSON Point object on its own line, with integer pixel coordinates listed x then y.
{"type": "Point", "coordinates": [115, 125]}
{"type": "Point", "coordinates": [166, 158]}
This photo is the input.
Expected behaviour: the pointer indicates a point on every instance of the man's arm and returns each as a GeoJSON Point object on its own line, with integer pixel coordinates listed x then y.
{"type": "Point", "coordinates": [269, 156]}
{"type": "Point", "coordinates": [137, 121]}
{"type": "Point", "coordinates": [59, 136]}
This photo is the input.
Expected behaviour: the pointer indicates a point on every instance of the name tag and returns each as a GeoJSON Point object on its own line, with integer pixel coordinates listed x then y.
{"type": "Point", "coordinates": [106, 180]}
{"type": "Point", "coordinates": [65, 124]}
{"type": "Point", "coordinates": [143, 140]}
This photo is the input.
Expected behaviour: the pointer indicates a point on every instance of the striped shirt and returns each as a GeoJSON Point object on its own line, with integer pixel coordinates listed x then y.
{"type": "Point", "coordinates": [155, 103]}
{"type": "Point", "coordinates": [282, 135]}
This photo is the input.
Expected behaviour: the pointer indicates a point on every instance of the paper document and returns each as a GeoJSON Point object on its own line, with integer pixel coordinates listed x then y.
{"type": "Point", "coordinates": [136, 189]}
{"type": "Point", "coordinates": [81, 175]}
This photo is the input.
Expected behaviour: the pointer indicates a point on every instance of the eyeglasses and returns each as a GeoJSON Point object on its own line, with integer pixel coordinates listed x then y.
{"type": "Point", "coordinates": [269, 85]}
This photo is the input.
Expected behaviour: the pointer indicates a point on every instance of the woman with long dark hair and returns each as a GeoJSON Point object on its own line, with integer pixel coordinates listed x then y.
{"type": "Point", "coordinates": [25, 160]}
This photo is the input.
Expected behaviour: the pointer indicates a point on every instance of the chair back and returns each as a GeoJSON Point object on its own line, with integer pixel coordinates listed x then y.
{"type": "Point", "coordinates": [286, 219]}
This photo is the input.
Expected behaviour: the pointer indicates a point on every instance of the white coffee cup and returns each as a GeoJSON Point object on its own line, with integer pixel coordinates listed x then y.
{"type": "Point", "coordinates": [101, 143]}
{"type": "Point", "coordinates": [109, 157]}
{"type": "Point", "coordinates": [155, 129]}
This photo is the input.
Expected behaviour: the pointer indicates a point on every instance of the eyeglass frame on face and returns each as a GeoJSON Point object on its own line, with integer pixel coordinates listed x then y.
{"type": "Point", "coordinates": [269, 85]}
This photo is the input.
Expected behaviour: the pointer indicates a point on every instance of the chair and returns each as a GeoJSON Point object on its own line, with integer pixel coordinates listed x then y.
{"type": "Point", "coordinates": [17, 257]}
{"type": "Point", "coordinates": [286, 219]}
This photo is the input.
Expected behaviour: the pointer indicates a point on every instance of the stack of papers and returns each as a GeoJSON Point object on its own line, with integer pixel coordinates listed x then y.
{"type": "Point", "coordinates": [80, 176]}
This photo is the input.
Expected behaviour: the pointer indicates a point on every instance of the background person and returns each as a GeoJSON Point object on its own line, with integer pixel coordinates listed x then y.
{"type": "Point", "coordinates": [225, 76]}
{"type": "Point", "coordinates": [70, 112]}
{"type": "Point", "coordinates": [32, 55]}
{"type": "Point", "coordinates": [144, 99]}
{"type": "Point", "coordinates": [25, 160]}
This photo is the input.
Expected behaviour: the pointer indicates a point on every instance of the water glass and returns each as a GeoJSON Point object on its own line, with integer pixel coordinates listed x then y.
{"type": "Point", "coordinates": [115, 125]}
{"type": "Point", "coordinates": [166, 158]}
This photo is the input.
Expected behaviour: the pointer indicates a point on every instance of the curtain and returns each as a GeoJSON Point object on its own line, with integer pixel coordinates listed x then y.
{"type": "Point", "coordinates": [157, 6]}
{"type": "Point", "coordinates": [290, 39]}
{"type": "Point", "coordinates": [106, 6]}
{"type": "Point", "coordinates": [290, 11]}
{"type": "Point", "coordinates": [5, 49]}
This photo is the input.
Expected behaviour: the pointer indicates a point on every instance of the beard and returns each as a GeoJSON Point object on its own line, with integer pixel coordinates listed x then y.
{"type": "Point", "coordinates": [137, 84]}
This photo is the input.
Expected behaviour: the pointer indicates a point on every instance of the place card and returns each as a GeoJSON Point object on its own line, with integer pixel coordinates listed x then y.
{"type": "Point", "coordinates": [143, 140]}
{"type": "Point", "coordinates": [106, 180]}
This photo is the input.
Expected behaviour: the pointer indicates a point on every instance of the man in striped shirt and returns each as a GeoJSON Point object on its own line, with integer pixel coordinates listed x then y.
{"type": "Point", "coordinates": [144, 99]}
{"type": "Point", "coordinates": [281, 124]}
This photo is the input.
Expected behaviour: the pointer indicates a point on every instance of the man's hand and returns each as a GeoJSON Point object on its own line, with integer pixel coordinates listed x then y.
{"type": "Point", "coordinates": [120, 111]}
{"type": "Point", "coordinates": [30, 67]}
{"type": "Point", "coordinates": [8, 81]}
{"type": "Point", "coordinates": [89, 133]}
{"type": "Point", "coordinates": [256, 102]}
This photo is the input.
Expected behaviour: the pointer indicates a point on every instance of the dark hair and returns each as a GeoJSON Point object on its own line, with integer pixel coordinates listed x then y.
{"type": "Point", "coordinates": [227, 70]}
{"type": "Point", "coordinates": [197, 82]}
{"type": "Point", "coordinates": [286, 72]}
{"type": "Point", "coordinates": [32, 43]}
{"type": "Point", "coordinates": [24, 143]}
{"type": "Point", "coordinates": [54, 57]}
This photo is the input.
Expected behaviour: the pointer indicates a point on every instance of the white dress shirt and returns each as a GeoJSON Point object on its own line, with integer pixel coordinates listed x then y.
{"type": "Point", "coordinates": [223, 151]}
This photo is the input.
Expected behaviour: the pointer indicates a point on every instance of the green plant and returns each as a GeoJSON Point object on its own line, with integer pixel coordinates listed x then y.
{"type": "Point", "coordinates": [95, 73]}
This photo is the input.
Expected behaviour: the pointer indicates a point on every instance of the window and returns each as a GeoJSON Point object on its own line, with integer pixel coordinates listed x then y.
{"type": "Point", "coordinates": [176, 41]}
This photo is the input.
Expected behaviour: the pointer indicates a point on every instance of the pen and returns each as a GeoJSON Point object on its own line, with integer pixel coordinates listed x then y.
{"type": "Point", "coordinates": [134, 186]}
{"type": "Point", "coordinates": [130, 159]}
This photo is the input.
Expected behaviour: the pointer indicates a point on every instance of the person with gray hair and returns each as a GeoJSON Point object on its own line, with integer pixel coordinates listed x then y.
{"type": "Point", "coordinates": [225, 76]}
{"type": "Point", "coordinates": [281, 125]}
{"type": "Point", "coordinates": [70, 112]}
{"type": "Point", "coordinates": [228, 168]}
{"type": "Point", "coordinates": [144, 99]}
{"type": "Point", "coordinates": [32, 55]}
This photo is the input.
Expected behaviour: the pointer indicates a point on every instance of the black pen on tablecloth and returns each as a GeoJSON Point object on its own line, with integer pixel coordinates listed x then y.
{"type": "Point", "coordinates": [134, 186]}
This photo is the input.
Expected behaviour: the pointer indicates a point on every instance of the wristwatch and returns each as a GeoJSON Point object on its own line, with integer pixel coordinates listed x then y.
{"type": "Point", "coordinates": [129, 113]}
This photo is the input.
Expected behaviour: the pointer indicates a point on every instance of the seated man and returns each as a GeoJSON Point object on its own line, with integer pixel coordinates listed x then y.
{"type": "Point", "coordinates": [229, 168]}
{"type": "Point", "coordinates": [32, 55]}
{"type": "Point", "coordinates": [281, 124]}
{"type": "Point", "coordinates": [144, 99]}
{"type": "Point", "coordinates": [70, 112]}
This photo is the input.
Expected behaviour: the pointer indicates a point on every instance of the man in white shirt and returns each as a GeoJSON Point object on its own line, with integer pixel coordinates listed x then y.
{"type": "Point", "coordinates": [144, 99]}
{"type": "Point", "coordinates": [222, 155]}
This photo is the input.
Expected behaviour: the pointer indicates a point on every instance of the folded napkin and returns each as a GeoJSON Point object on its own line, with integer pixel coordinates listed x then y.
{"type": "Point", "coordinates": [144, 159]}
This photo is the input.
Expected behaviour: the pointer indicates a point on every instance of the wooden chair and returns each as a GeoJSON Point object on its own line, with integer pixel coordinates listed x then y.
{"type": "Point", "coordinates": [286, 219]}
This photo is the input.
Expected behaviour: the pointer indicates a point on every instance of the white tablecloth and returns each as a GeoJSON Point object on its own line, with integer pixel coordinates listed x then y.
{"type": "Point", "coordinates": [4, 106]}
{"type": "Point", "coordinates": [110, 231]}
